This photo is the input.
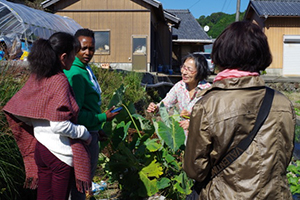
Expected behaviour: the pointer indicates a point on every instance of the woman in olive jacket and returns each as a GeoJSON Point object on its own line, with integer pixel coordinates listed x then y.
{"type": "Point", "coordinates": [227, 113]}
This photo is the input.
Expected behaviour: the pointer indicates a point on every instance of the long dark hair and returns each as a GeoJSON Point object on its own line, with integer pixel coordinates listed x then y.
{"type": "Point", "coordinates": [44, 56]}
{"type": "Point", "coordinates": [243, 46]}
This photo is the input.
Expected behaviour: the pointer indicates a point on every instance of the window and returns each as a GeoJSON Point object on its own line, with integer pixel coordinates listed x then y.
{"type": "Point", "coordinates": [102, 42]}
{"type": "Point", "coordinates": [139, 45]}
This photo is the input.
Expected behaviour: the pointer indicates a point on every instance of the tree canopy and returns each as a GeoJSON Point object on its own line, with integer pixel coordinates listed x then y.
{"type": "Point", "coordinates": [217, 22]}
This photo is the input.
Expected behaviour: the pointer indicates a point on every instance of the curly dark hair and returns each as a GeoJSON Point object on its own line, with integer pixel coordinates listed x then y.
{"type": "Point", "coordinates": [85, 32]}
{"type": "Point", "coordinates": [243, 46]}
{"type": "Point", "coordinates": [44, 55]}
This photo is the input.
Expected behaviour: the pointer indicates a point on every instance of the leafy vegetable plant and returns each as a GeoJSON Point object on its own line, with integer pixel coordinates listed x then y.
{"type": "Point", "coordinates": [146, 156]}
{"type": "Point", "coordinates": [293, 177]}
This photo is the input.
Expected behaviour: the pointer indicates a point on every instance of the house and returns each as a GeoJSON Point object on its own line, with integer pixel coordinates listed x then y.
{"type": "Point", "coordinates": [188, 37]}
{"type": "Point", "coordinates": [280, 21]}
{"type": "Point", "coordinates": [130, 34]}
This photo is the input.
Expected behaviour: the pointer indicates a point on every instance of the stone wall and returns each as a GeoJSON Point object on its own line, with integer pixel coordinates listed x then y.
{"type": "Point", "coordinates": [285, 86]}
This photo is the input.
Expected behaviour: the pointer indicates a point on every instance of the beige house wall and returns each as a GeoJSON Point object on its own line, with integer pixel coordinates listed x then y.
{"type": "Point", "coordinates": [99, 5]}
{"type": "Point", "coordinates": [124, 19]}
{"type": "Point", "coordinates": [121, 25]}
{"type": "Point", "coordinates": [275, 29]}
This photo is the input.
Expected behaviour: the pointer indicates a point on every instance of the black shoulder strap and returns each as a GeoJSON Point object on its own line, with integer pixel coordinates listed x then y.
{"type": "Point", "coordinates": [233, 154]}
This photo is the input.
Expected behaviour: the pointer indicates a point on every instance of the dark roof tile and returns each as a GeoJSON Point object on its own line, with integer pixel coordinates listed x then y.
{"type": "Point", "coordinates": [189, 28]}
{"type": "Point", "coordinates": [276, 7]}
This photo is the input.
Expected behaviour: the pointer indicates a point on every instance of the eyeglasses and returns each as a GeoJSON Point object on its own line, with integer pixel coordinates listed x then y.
{"type": "Point", "coordinates": [189, 69]}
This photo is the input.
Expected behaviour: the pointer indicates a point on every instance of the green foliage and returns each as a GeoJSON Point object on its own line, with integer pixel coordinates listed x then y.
{"type": "Point", "coordinates": [297, 133]}
{"type": "Point", "coordinates": [297, 111]}
{"type": "Point", "coordinates": [110, 80]}
{"type": "Point", "coordinates": [169, 130]}
{"type": "Point", "coordinates": [294, 167]}
{"type": "Point", "coordinates": [145, 159]}
{"type": "Point", "coordinates": [294, 177]}
{"type": "Point", "coordinates": [12, 173]}
{"type": "Point", "coordinates": [36, 4]}
{"type": "Point", "coordinates": [217, 22]}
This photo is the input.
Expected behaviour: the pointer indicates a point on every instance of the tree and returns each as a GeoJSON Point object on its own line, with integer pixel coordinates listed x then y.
{"type": "Point", "coordinates": [217, 22]}
{"type": "Point", "coordinates": [36, 4]}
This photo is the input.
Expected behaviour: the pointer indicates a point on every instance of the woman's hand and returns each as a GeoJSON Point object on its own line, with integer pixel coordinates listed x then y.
{"type": "Point", "coordinates": [152, 108]}
{"type": "Point", "coordinates": [109, 115]}
{"type": "Point", "coordinates": [185, 114]}
{"type": "Point", "coordinates": [184, 124]}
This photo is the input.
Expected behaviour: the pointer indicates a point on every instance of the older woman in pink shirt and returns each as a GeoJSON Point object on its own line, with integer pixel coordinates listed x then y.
{"type": "Point", "coordinates": [185, 93]}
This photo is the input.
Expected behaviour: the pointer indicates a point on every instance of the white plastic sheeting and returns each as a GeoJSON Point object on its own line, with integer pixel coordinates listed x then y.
{"type": "Point", "coordinates": [29, 24]}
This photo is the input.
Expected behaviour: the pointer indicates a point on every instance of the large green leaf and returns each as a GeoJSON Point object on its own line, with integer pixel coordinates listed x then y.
{"type": "Point", "coordinates": [144, 124]}
{"type": "Point", "coordinates": [153, 144]}
{"type": "Point", "coordinates": [164, 114]}
{"type": "Point", "coordinates": [173, 136]}
{"type": "Point", "coordinates": [150, 185]}
{"type": "Point", "coordinates": [176, 115]}
{"type": "Point", "coordinates": [153, 170]}
{"type": "Point", "coordinates": [171, 160]}
{"type": "Point", "coordinates": [183, 183]}
{"type": "Point", "coordinates": [128, 109]}
{"type": "Point", "coordinates": [128, 157]}
{"type": "Point", "coordinates": [117, 98]}
{"type": "Point", "coordinates": [120, 133]}
{"type": "Point", "coordinates": [163, 183]}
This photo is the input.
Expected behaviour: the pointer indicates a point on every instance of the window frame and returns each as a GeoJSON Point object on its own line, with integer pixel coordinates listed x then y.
{"type": "Point", "coordinates": [103, 52]}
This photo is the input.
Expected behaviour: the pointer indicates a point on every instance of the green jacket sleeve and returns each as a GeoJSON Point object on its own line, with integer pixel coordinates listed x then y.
{"type": "Point", "coordinates": [86, 117]}
{"type": "Point", "coordinates": [102, 117]}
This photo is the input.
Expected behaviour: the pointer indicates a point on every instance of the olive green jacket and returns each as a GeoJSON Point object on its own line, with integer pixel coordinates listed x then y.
{"type": "Point", "coordinates": [219, 121]}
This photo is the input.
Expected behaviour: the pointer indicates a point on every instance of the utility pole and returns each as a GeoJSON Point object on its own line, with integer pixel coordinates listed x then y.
{"type": "Point", "coordinates": [237, 15]}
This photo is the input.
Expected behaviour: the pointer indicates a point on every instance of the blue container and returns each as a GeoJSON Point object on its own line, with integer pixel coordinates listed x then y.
{"type": "Point", "coordinates": [2, 55]}
{"type": "Point", "coordinates": [166, 69]}
{"type": "Point", "coordinates": [159, 68]}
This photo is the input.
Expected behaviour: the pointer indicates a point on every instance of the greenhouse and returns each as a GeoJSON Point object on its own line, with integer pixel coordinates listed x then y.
{"type": "Point", "coordinates": [22, 23]}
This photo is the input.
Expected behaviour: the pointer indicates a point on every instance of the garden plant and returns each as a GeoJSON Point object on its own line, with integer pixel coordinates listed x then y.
{"type": "Point", "coordinates": [143, 155]}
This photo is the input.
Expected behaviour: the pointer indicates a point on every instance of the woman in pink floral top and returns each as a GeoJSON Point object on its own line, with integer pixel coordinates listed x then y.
{"type": "Point", "coordinates": [194, 72]}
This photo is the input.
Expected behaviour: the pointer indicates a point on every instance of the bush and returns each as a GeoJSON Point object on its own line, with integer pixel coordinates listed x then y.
{"type": "Point", "coordinates": [12, 172]}
{"type": "Point", "coordinates": [111, 80]}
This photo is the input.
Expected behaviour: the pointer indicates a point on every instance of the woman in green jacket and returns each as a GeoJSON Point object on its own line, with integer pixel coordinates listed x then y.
{"type": "Point", "coordinates": [88, 97]}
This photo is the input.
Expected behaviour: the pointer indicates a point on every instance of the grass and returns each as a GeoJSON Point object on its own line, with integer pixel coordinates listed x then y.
{"type": "Point", "coordinates": [12, 173]}
{"type": "Point", "coordinates": [111, 80]}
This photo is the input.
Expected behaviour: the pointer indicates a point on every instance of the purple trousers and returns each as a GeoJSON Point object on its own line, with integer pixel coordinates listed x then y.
{"type": "Point", "coordinates": [54, 175]}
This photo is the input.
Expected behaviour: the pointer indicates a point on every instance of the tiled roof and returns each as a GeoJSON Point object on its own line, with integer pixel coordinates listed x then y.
{"type": "Point", "coordinates": [189, 28]}
{"type": "Point", "coordinates": [276, 7]}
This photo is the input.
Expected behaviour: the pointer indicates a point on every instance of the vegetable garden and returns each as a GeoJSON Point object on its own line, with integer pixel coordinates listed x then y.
{"type": "Point", "coordinates": [142, 156]}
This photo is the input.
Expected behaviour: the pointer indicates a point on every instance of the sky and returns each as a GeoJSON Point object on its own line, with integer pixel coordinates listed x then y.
{"type": "Point", "coordinates": [205, 7]}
